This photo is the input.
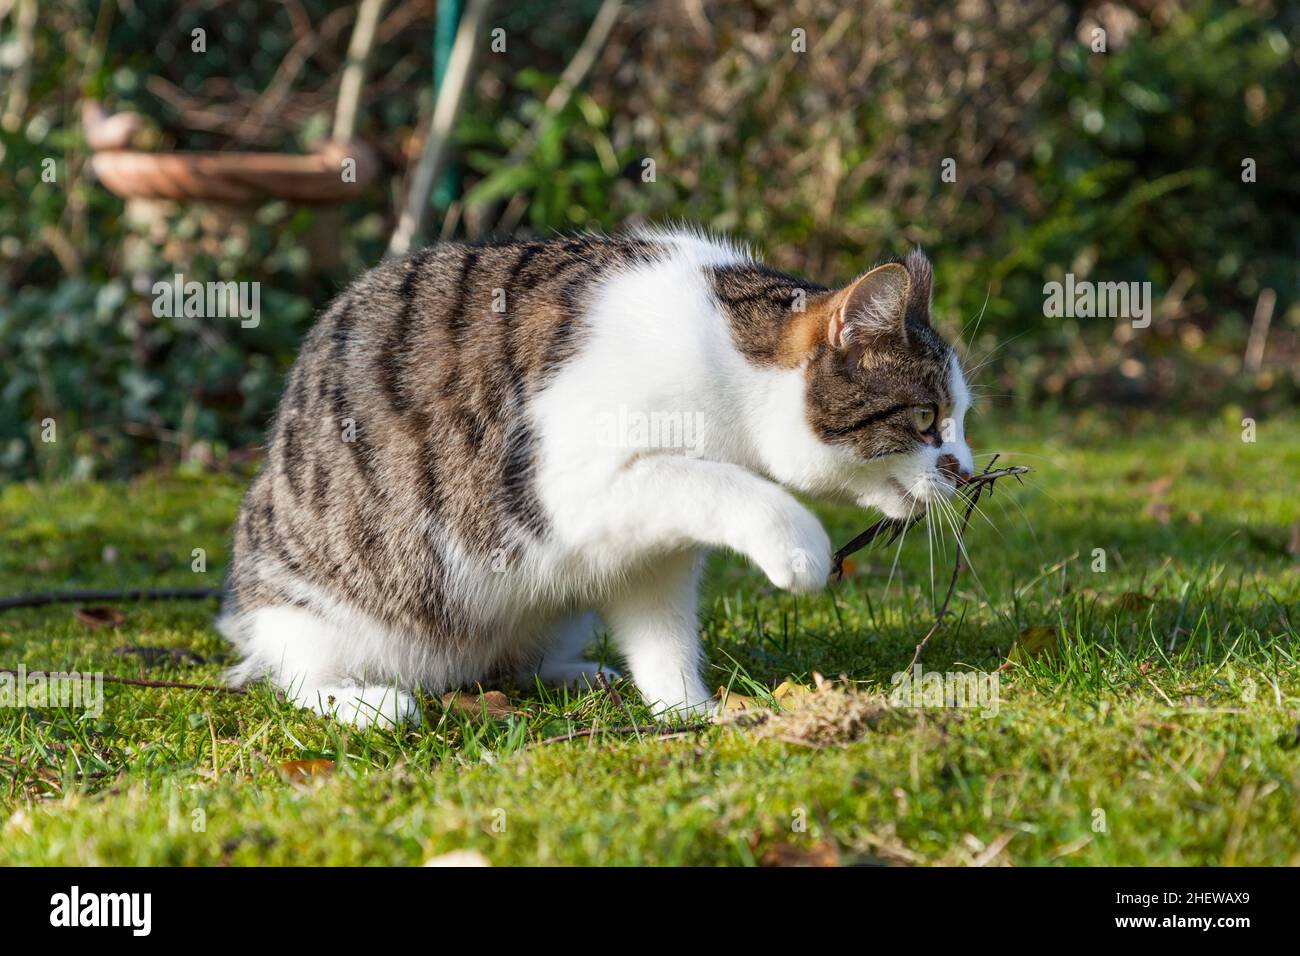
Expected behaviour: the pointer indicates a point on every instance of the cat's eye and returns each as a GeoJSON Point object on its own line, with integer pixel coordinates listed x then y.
{"type": "Point", "coordinates": [924, 416]}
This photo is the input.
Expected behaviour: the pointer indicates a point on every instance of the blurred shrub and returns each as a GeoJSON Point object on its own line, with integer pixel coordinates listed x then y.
{"type": "Point", "coordinates": [1122, 165]}
{"type": "Point", "coordinates": [1116, 165]}
{"type": "Point", "coordinates": [78, 341]}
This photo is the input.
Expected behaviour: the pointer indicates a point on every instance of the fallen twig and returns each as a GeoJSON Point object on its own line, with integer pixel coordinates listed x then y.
{"type": "Point", "coordinates": [894, 527]}
{"type": "Point", "coordinates": [617, 698]}
{"type": "Point", "coordinates": [971, 489]}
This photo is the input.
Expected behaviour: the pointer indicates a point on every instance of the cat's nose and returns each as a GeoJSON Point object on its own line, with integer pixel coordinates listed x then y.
{"type": "Point", "coordinates": [950, 466]}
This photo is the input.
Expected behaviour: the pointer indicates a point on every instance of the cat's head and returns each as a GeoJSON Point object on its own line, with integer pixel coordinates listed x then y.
{"type": "Point", "coordinates": [884, 394]}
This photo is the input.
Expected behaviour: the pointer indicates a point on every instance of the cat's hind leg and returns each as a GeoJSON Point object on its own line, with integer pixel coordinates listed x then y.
{"type": "Point", "coordinates": [563, 663]}
{"type": "Point", "coordinates": [302, 654]}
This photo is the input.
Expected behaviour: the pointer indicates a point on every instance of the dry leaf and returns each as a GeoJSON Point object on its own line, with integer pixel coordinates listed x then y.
{"type": "Point", "coordinates": [97, 617]}
{"type": "Point", "coordinates": [18, 823]}
{"type": "Point", "coordinates": [1034, 642]}
{"type": "Point", "coordinates": [787, 692]}
{"type": "Point", "coordinates": [790, 692]}
{"type": "Point", "coordinates": [493, 703]}
{"type": "Point", "coordinates": [1160, 511]}
{"type": "Point", "coordinates": [1157, 508]}
{"type": "Point", "coordinates": [296, 771]}
{"type": "Point", "coordinates": [1160, 487]}
{"type": "Point", "coordinates": [787, 854]}
{"type": "Point", "coordinates": [1131, 601]}
{"type": "Point", "coordinates": [733, 702]}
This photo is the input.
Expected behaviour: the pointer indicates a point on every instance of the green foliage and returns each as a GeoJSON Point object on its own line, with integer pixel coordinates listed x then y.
{"type": "Point", "coordinates": [1122, 165]}
{"type": "Point", "coordinates": [124, 386]}
{"type": "Point", "coordinates": [567, 170]}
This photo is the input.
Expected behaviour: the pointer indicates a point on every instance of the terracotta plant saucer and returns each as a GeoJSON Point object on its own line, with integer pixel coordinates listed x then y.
{"type": "Point", "coordinates": [234, 177]}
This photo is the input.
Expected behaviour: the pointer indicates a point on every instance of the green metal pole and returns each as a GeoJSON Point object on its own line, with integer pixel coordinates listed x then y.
{"type": "Point", "coordinates": [444, 36]}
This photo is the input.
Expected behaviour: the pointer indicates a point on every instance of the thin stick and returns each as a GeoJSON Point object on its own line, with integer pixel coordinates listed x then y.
{"type": "Point", "coordinates": [437, 142]}
{"type": "Point", "coordinates": [139, 594]}
{"type": "Point", "coordinates": [973, 489]}
{"type": "Point", "coordinates": [617, 698]}
{"type": "Point", "coordinates": [24, 52]}
{"type": "Point", "coordinates": [354, 72]}
{"type": "Point", "coordinates": [896, 526]}
{"type": "Point", "coordinates": [1259, 330]}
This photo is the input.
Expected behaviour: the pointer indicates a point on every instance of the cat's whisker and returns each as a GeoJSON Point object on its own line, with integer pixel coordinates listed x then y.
{"type": "Point", "coordinates": [977, 510]}
{"type": "Point", "coordinates": [901, 538]}
{"type": "Point", "coordinates": [939, 529]}
{"type": "Point", "coordinates": [955, 520]}
{"type": "Point", "coordinates": [1027, 481]}
{"type": "Point", "coordinates": [979, 317]}
{"type": "Point", "coordinates": [946, 516]}
{"type": "Point", "coordinates": [971, 372]}
{"type": "Point", "coordinates": [929, 540]}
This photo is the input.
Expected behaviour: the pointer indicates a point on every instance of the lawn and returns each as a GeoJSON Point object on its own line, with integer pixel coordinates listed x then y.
{"type": "Point", "coordinates": [1148, 713]}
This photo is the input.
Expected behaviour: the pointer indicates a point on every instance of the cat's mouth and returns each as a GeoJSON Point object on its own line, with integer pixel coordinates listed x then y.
{"type": "Point", "coordinates": [903, 493]}
{"type": "Point", "coordinates": [923, 491]}
{"type": "Point", "coordinates": [911, 501]}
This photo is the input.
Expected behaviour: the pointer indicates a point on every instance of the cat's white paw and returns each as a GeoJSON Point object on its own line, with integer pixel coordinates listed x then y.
{"type": "Point", "coordinates": [794, 551]}
{"type": "Point", "coordinates": [363, 706]}
{"type": "Point", "coordinates": [580, 675]}
{"type": "Point", "coordinates": [705, 709]}
{"type": "Point", "coordinates": [680, 696]}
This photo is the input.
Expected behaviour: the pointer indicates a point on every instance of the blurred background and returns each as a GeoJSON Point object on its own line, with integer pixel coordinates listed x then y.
{"type": "Point", "coordinates": [827, 134]}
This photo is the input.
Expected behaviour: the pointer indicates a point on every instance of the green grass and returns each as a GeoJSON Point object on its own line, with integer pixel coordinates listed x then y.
{"type": "Point", "coordinates": [1175, 720]}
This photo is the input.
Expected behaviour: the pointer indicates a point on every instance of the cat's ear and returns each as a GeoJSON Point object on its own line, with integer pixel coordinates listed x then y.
{"type": "Point", "coordinates": [871, 311]}
{"type": "Point", "coordinates": [921, 293]}
{"type": "Point", "coordinates": [868, 315]}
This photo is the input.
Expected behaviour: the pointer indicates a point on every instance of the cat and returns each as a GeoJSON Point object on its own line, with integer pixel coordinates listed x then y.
{"type": "Point", "coordinates": [461, 486]}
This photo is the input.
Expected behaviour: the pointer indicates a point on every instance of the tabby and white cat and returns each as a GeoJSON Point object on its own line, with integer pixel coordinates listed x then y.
{"type": "Point", "coordinates": [453, 494]}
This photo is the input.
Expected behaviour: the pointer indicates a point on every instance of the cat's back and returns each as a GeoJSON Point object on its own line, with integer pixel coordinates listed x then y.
{"type": "Point", "coordinates": [404, 457]}
{"type": "Point", "coordinates": [457, 321]}
{"type": "Point", "coordinates": [411, 396]}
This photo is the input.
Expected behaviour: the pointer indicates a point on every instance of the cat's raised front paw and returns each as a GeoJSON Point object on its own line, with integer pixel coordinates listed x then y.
{"type": "Point", "coordinates": [796, 555]}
